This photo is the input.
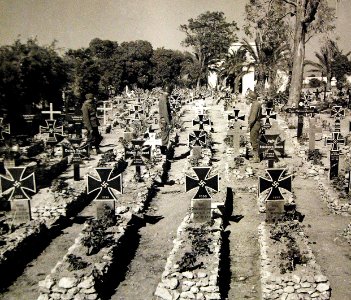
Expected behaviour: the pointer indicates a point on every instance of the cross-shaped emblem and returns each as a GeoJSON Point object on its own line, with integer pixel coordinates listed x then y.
{"type": "Point", "coordinates": [274, 184]}
{"type": "Point", "coordinates": [153, 142]}
{"type": "Point", "coordinates": [269, 145]}
{"type": "Point", "coordinates": [138, 152]}
{"type": "Point", "coordinates": [201, 121]}
{"type": "Point", "coordinates": [104, 184]}
{"type": "Point", "coordinates": [337, 112]}
{"type": "Point", "coordinates": [197, 138]}
{"type": "Point", "coordinates": [203, 183]}
{"type": "Point", "coordinates": [4, 128]}
{"type": "Point", "coordinates": [52, 130]}
{"type": "Point", "coordinates": [267, 117]}
{"type": "Point", "coordinates": [77, 152]}
{"type": "Point", "coordinates": [236, 116]}
{"type": "Point", "coordinates": [335, 140]}
{"type": "Point", "coordinates": [17, 184]}
{"type": "Point", "coordinates": [137, 111]}
{"type": "Point", "coordinates": [51, 112]}
{"type": "Point", "coordinates": [175, 102]}
{"type": "Point", "coordinates": [105, 108]}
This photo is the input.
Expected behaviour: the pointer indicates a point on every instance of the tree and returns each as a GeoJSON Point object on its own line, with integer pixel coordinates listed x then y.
{"type": "Point", "coordinates": [265, 60]}
{"type": "Point", "coordinates": [341, 66]}
{"type": "Point", "coordinates": [166, 67]}
{"type": "Point", "coordinates": [311, 16]}
{"type": "Point", "coordinates": [325, 59]}
{"type": "Point", "coordinates": [30, 74]}
{"type": "Point", "coordinates": [210, 36]}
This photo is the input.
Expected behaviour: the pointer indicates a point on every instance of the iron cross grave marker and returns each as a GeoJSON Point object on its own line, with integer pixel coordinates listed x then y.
{"type": "Point", "coordinates": [203, 183]}
{"type": "Point", "coordinates": [52, 130]}
{"type": "Point", "coordinates": [17, 185]}
{"type": "Point", "coordinates": [104, 186]}
{"type": "Point", "coordinates": [201, 121]}
{"type": "Point", "coordinates": [269, 145]}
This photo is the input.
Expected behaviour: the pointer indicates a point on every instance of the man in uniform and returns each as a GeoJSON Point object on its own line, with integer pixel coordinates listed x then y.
{"type": "Point", "coordinates": [165, 117]}
{"type": "Point", "coordinates": [91, 122]}
{"type": "Point", "coordinates": [254, 122]}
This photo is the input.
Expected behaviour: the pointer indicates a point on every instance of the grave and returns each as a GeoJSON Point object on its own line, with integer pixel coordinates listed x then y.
{"type": "Point", "coordinates": [267, 118]}
{"type": "Point", "coordinates": [334, 154]}
{"type": "Point", "coordinates": [17, 185]}
{"type": "Point", "coordinates": [52, 130]}
{"type": "Point", "coordinates": [153, 142]}
{"type": "Point", "coordinates": [201, 121]}
{"type": "Point", "coordinates": [201, 202]}
{"type": "Point", "coordinates": [338, 113]}
{"type": "Point", "coordinates": [197, 140]}
{"type": "Point", "coordinates": [313, 129]}
{"type": "Point", "coordinates": [274, 200]}
{"type": "Point", "coordinates": [104, 186]}
{"type": "Point", "coordinates": [137, 153]}
{"type": "Point", "coordinates": [104, 109]}
{"type": "Point", "coordinates": [77, 152]}
{"type": "Point", "coordinates": [301, 111]}
{"type": "Point", "coordinates": [51, 112]}
{"type": "Point", "coordinates": [234, 132]}
{"type": "Point", "coordinates": [269, 145]}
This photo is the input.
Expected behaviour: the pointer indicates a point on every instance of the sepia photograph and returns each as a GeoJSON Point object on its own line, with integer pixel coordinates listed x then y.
{"type": "Point", "coordinates": [175, 149]}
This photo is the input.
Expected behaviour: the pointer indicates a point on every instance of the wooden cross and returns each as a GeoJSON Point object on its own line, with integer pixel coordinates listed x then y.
{"type": "Point", "coordinates": [77, 153]}
{"type": "Point", "coordinates": [104, 185]}
{"type": "Point", "coordinates": [137, 153]}
{"type": "Point", "coordinates": [335, 140]}
{"type": "Point", "coordinates": [267, 117]}
{"type": "Point", "coordinates": [104, 109]}
{"type": "Point", "coordinates": [153, 142]}
{"type": "Point", "coordinates": [17, 185]}
{"type": "Point", "coordinates": [301, 111]}
{"type": "Point", "coordinates": [52, 130]}
{"type": "Point", "coordinates": [338, 113]}
{"type": "Point", "coordinates": [201, 121]}
{"type": "Point", "coordinates": [236, 116]}
{"type": "Point", "coordinates": [136, 112]}
{"type": "Point", "coordinates": [269, 145]}
{"type": "Point", "coordinates": [4, 128]}
{"type": "Point", "coordinates": [51, 112]}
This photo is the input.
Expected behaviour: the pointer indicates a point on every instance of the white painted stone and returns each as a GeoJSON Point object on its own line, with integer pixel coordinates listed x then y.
{"type": "Point", "coordinates": [322, 287]}
{"type": "Point", "coordinates": [320, 278]}
{"type": "Point", "coordinates": [171, 283]}
{"type": "Point", "coordinates": [67, 282]}
{"type": "Point", "coordinates": [43, 297]}
{"type": "Point", "coordinates": [289, 289]}
{"type": "Point", "coordinates": [163, 293]}
{"type": "Point", "coordinates": [86, 284]}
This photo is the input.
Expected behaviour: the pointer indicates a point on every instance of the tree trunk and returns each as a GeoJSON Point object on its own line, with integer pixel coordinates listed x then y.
{"type": "Point", "coordinates": [299, 55]}
{"type": "Point", "coordinates": [329, 77]}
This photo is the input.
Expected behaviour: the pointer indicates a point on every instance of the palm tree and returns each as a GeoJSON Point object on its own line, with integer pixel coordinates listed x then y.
{"type": "Point", "coordinates": [266, 60]}
{"type": "Point", "coordinates": [325, 60]}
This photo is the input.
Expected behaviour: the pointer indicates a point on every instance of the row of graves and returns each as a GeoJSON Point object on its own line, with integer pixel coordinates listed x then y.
{"type": "Point", "coordinates": [297, 273]}
{"type": "Point", "coordinates": [193, 265]}
{"type": "Point", "coordinates": [102, 239]}
{"type": "Point", "coordinates": [34, 217]}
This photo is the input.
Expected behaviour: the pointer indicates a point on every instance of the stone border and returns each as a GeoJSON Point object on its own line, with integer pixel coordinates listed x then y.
{"type": "Point", "coordinates": [203, 284]}
{"type": "Point", "coordinates": [314, 285]}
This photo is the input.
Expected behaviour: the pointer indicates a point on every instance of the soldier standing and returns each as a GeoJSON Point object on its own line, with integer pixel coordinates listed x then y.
{"type": "Point", "coordinates": [91, 122]}
{"type": "Point", "coordinates": [165, 118]}
{"type": "Point", "coordinates": [254, 122]}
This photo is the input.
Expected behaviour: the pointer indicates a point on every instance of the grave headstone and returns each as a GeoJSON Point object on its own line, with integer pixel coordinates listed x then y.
{"type": "Point", "coordinates": [17, 185]}
{"type": "Point", "coordinates": [201, 202]}
{"type": "Point", "coordinates": [301, 111]}
{"type": "Point", "coordinates": [105, 109]}
{"type": "Point", "coordinates": [105, 186]}
{"type": "Point", "coordinates": [338, 113]}
{"type": "Point", "coordinates": [201, 121]}
{"type": "Point", "coordinates": [137, 153]}
{"type": "Point", "coordinates": [51, 112]}
{"type": "Point", "coordinates": [52, 130]}
{"type": "Point", "coordinates": [153, 142]}
{"type": "Point", "coordinates": [78, 153]}
{"type": "Point", "coordinates": [267, 118]}
{"type": "Point", "coordinates": [274, 200]}
{"type": "Point", "coordinates": [269, 145]}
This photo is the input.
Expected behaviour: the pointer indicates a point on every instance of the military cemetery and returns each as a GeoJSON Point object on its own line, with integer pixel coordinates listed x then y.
{"type": "Point", "coordinates": [216, 167]}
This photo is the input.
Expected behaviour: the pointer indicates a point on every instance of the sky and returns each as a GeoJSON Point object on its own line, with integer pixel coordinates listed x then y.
{"type": "Point", "coordinates": [74, 23]}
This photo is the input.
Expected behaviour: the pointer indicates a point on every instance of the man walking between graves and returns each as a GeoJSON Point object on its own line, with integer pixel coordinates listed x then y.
{"type": "Point", "coordinates": [165, 117]}
{"type": "Point", "coordinates": [91, 122]}
{"type": "Point", "coordinates": [254, 122]}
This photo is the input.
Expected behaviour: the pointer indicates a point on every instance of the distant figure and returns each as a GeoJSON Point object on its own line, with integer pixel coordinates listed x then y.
{"type": "Point", "coordinates": [254, 122]}
{"type": "Point", "coordinates": [165, 118]}
{"type": "Point", "coordinates": [91, 122]}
